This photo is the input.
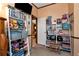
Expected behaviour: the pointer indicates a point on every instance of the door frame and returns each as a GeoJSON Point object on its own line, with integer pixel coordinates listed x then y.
{"type": "Point", "coordinates": [35, 18]}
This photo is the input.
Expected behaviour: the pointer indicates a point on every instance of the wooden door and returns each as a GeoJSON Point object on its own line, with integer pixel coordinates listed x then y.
{"type": "Point", "coordinates": [3, 39]}
{"type": "Point", "coordinates": [1, 26]}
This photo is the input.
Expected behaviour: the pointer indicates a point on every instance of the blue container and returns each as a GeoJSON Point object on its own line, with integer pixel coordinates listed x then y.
{"type": "Point", "coordinates": [24, 34]}
{"type": "Point", "coordinates": [15, 35]}
{"type": "Point", "coordinates": [66, 26]}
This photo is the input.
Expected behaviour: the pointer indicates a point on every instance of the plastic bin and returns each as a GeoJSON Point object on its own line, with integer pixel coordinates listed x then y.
{"type": "Point", "coordinates": [15, 35]}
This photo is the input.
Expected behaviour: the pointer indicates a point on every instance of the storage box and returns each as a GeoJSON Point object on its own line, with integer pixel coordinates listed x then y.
{"type": "Point", "coordinates": [24, 34]}
{"type": "Point", "coordinates": [15, 35]}
{"type": "Point", "coordinates": [66, 26]}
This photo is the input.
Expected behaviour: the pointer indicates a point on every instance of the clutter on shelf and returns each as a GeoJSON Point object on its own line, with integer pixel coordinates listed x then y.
{"type": "Point", "coordinates": [18, 32]}
{"type": "Point", "coordinates": [60, 31]}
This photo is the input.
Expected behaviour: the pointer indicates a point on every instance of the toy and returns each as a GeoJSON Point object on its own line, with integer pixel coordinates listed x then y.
{"type": "Point", "coordinates": [20, 24]}
{"type": "Point", "coordinates": [59, 21]}
{"type": "Point", "coordinates": [13, 24]}
{"type": "Point", "coordinates": [16, 46]}
{"type": "Point", "coordinates": [10, 24]}
{"type": "Point", "coordinates": [64, 16]}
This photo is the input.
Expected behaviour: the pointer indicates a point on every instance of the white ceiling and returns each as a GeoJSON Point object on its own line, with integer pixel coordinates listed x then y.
{"type": "Point", "coordinates": [41, 4]}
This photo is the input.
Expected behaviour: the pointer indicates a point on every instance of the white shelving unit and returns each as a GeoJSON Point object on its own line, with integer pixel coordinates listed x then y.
{"type": "Point", "coordinates": [24, 45]}
{"type": "Point", "coordinates": [67, 35]}
{"type": "Point", "coordinates": [63, 33]}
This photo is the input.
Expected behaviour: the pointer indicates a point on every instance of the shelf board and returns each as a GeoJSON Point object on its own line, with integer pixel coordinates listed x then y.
{"type": "Point", "coordinates": [18, 39]}
{"type": "Point", "coordinates": [66, 43]}
{"type": "Point", "coordinates": [13, 17]}
{"type": "Point", "coordinates": [66, 35]}
{"type": "Point", "coordinates": [65, 49]}
{"type": "Point", "coordinates": [15, 30]}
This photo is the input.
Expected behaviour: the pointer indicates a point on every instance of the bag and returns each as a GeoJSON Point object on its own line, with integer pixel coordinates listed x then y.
{"type": "Point", "coordinates": [19, 53]}
{"type": "Point", "coordinates": [53, 37]}
{"type": "Point", "coordinates": [59, 38]}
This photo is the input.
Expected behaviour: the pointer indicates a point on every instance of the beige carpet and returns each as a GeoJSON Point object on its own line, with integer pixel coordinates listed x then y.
{"type": "Point", "coordinates": [40, 50]}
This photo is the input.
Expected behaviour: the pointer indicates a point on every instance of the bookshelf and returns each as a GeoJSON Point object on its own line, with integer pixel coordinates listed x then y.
{"type": "Point", "coordinates": [17, 33]}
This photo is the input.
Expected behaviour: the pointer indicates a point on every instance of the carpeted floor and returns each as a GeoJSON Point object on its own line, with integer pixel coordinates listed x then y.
{"type": "Point", "coordinates": [40, 50]}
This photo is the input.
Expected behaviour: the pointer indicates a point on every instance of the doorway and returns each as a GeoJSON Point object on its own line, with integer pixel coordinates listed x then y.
{"type": "Point", "coordinates": [34, 31]}
{"type": "Point", "coordinates": [42, 31]}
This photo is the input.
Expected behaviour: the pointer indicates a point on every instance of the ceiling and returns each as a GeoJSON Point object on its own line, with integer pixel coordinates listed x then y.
{"type": "Point", "coordinates": [41, 5]}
